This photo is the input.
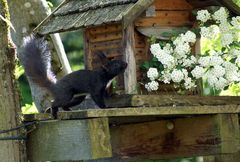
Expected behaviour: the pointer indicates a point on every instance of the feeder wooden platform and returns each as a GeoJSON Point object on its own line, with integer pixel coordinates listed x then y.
{"type": "Point", "coordinates": [145, 127]}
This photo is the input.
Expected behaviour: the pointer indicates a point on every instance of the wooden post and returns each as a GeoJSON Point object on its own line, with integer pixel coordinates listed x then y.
{"type": "Point", "coordinates": [130, 78]}
{"type": "Point", "coordinates": [13, 149]}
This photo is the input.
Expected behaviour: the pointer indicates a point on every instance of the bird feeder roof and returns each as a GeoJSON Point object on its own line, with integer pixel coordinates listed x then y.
{"type": "Point", "coordinates": [76, 14]}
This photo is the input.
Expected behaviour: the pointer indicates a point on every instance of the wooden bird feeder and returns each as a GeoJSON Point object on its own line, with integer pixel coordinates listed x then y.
{"type": "Point", "coordinates": [149, 126]}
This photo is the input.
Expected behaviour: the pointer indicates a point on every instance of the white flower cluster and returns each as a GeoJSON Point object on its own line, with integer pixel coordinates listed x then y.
{"type": "Point", "coordinates": [198, 72]}
{"type": "Point", "coordinates": [221, 18]}
{"type": "Point", "coordinates": [219, 67]}
{"type": "Point", "coordinates": [236, 22]}
{"type": "Point", "coordinates": [203, 15]}
{"type": "Point", "coordinates": [163, 55]}
{"type": "Point", "coordinates": [152, 86]}
{"type": "Point", "coordinates": [170, 56]}
{"type": "Point", "coordinates": [209, 32]}
{"type": "Point", "coordinates": [177, 76]}
{"type": "Point", "coordinates": [220, 15]}
{"type": "Point", "coordinates": [152, 73]}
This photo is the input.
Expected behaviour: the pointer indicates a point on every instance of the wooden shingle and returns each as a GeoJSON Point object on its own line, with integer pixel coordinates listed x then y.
{"type": "Point", "coordinates": [75, 14]}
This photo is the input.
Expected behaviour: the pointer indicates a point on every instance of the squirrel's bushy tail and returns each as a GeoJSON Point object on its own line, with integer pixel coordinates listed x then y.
{"type": "Point", "coordinates": [36, 60]}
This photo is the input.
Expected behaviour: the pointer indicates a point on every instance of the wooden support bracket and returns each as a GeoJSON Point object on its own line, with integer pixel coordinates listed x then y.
{"type": "Point", "coordinates": [69, 140]}
{"type": "Point", "coordinates": [180, 137]}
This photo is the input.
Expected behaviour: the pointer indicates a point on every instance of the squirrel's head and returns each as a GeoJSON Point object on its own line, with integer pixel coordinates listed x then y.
{"type": "Point", "coordinates": [115, 67]}
{"type": "Point", "coordinates": [112, 67]}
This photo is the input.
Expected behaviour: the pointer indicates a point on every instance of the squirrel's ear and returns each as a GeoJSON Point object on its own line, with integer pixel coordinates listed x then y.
{"type": "Point", "coordinates": [103, 57]}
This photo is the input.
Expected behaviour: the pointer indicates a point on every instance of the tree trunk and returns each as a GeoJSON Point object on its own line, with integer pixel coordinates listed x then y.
{"type": "Point", "coordinates": [10, 150]}
{"type": "Point", "coordinates": [26, 17]}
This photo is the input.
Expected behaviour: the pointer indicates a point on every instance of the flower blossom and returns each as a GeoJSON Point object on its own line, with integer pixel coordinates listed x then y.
{"type": "Point", "coordinates": [216, 60]}
{"type": "Point", "coordinates": [204, 61]}
{"type": "Point", "coordinates": [220, 15]}
{"type": "Point", "coordinates": [203, 16]}
{"type": "Point", "coordinates": [155, 48]}
{"type": "Point", "coordinates": [177, 76]}
{"type": "Point", "coordinates": [221, 83]}
{"type": "Point", "coordinates": [152, 73]}
{"type": "Point", "coordinates": [218, 71]}
{"type": "Point", "coordinates": [198, 72]}
{"type": "Point", "coordinates": [227, 39]}
{"type": "Point", "coordinates": [190, 37]}
{"type": "Point", "coordinates": [152, 86]}
{"type": "Point", "coordinates": [236, 22]}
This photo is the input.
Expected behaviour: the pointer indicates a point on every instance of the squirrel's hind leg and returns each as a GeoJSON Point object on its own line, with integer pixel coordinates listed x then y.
{"type": "Point", "coordinates": [75, 101]}
{"type": "Point", "coordinates": [61, 101]}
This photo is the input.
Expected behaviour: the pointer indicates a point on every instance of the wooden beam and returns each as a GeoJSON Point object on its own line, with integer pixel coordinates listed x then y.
{"type": "Point", "coordinates": [181, 137]}
{"type": "Point", "coordinates": [170, 100]}
{"type": "Point", "coordinates": [36, 117]}
{"type": "Point", "coordinates": [130, 78]}
{"type": "Point", "coordinates": [164, 111]}
{"type": "Point", "coordinates": [103, 37]}
{"type": "Point", "coordinates": [109, 28]}
{"type": "Point", "coordinates": [166, 19]}
{"type": "Point", "coordinates": [135, 11]}
{"type": "Point", "coordinates": [163, 105]}
{"type": "Point", "coordinates": [69, 140]}
{"type": "Point", "coordinates": [172, 5]}
{"type": "Point", "coordinates": [231, 5]}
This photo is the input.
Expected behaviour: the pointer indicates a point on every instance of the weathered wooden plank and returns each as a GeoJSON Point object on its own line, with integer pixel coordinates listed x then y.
{"type": "Point", "coordinates": [82, 19]}
{"type": "Point", "coordinates": [229, 130]}
{"type": "Point", "coordinates": [172, 100]}
{"type": "Point", "coordinates": [132, 13]}
{"type": "Point", "coordinates": [104, 16]}
{"type": "Point", "coordinates": [105, 37]}
{"type": "Point", "coordinates": [87, 50]}
{"type": "Point", "coordinates": [73, 19]}
{"type": "Point", "coordinates": [130, 78]}
{"type": "Point", "coordinates": [41, 27]}
{"type": "Point", "coordinates": [181, 137]}
{"type": "Point", "coordinates": [36, 117]}
{"type": "Point", "coordinates": [117, 14]}
{"type": "Point", "coordinates": [166, 18]}
{"type": "Point", "coordinates": [172, 5]}
{"type": "Point", "coordinates": [106, 45]}
{"type": "Point", "coordinates": [105, 29]}
{"type": "Point", "coordinates": [69, 140]}
{"type": "Point", "coordinates": [111, 54]}
{"type": "Point", "coordinates": [227, 158]}
{"type": "Point", "coordinates": [153, 111]}
{"type": "Point", "coordinates": [74, 6]}
{"type": "Point", "coordinates": [156, 104]}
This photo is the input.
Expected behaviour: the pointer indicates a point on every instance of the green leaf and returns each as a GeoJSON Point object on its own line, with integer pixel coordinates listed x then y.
{"type": "Point", "coordinates": [225, 88]}
{"type": "Point", "coordinates": [233, 60]}
{"type": "Point", "coordinates": [146, 65]}
{"type": "Point", "coordinates": [154, 59]}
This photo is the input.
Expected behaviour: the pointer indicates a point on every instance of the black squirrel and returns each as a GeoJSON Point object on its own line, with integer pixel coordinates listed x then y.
{"type": "Point", "coordinates": [36, 60]}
